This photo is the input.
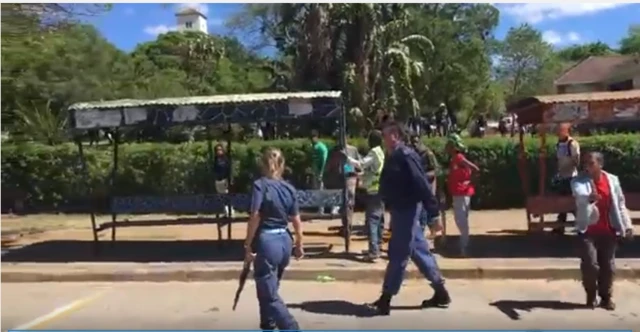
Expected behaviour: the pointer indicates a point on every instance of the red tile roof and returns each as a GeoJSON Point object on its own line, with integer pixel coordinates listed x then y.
{"type": "Point", "coordinates": [594, 69]}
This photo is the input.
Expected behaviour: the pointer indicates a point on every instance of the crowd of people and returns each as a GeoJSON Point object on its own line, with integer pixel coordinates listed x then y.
{"type": "Point", "coordinates": [399, 175]}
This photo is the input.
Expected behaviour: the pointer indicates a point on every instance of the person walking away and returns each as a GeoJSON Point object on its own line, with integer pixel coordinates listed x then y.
{"type": "Point", "coordinates": [460, 187]}
{"type": "Point", "coordinates": [502, 127]}
{"type": "Point", "coordinates": [349, 173]}
{"type": "Point", "coordinates": [405, 191]}
{"type": "Point", "coordinates": [319, 156]}
{"type": "Point", "coordinates": [481, 124]}
{"type": "Point", "coordinates": [221, 173]}
{"type": "Point", "coordinates": [268, 243]}
{"type": "Point", "coordinates": [601, 218]}
{"type": "Point", "coordinates": [371, 165]}
{"type": "Point", "coordinates": [568, 156]}
{"type": "Point", "coordinates": [430, 165]}
{"type": "Point", "coordinates": [441, 113]}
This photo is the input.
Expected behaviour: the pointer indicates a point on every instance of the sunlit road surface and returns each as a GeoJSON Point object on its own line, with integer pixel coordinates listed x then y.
{"type": "Point", "coordinates": [497, 304]}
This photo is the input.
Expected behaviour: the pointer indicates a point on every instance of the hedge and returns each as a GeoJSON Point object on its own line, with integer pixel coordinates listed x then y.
{"type": "Point", "coordinates": [50, 178]}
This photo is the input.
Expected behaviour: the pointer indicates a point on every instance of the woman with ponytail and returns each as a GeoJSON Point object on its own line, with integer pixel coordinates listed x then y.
{"type": "Point", "coordinates": [269, 242]}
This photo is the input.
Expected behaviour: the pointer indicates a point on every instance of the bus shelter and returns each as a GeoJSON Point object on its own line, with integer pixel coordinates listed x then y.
{"type": "Point", "coordinates": [118, 115]}
{"type": "Point", "coordinates": [579, 108]}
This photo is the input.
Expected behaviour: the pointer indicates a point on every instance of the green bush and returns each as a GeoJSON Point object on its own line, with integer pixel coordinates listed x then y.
{"type": "Point", "coordinates": [50, 177]}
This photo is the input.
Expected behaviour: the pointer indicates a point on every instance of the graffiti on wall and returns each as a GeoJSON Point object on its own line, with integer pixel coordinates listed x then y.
{"type": "Point", "coordinates": [568, 112]}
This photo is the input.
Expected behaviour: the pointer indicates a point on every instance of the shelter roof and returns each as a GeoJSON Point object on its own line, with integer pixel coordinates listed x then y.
{"type": "Point", "coordinates": [205, 100]}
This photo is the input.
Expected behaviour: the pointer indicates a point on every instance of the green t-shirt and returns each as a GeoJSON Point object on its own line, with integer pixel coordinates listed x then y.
{"type": "Point", "coordinates": [319, 157]}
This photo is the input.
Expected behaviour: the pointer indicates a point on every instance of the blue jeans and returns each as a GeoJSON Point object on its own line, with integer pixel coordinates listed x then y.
{"type": "Point", "coordinates": [273, 252]}
{"type": "Point", "coordinates": [374, 219]}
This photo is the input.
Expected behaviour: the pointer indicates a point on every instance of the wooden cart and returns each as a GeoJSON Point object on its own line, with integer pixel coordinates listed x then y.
{"type": "Point", "coordinates": [547, 111]}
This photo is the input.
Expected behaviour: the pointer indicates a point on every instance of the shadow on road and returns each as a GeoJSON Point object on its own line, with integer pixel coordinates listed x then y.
{"type": "Point", "coordinates": [343, 308]}
{"type": "Point", "coordinates": [527, 245]}
{"type": "Point", "coordinates": [511, 307]}
{"type": "Point", "coordinates": [147, 251]}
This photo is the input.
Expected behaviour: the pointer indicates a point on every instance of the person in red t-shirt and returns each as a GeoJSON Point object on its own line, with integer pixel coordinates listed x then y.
{"type": "Point", "coordinates": [460, 187]}
{"type": "Point", "coordinates": [598, 242]}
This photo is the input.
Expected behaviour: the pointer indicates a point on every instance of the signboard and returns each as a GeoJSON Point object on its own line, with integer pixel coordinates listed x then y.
{"type": "Point", "coordinates": [568, 112]}
{"type": "Point", "coordinates": [626, 110]}
{"type": "Point", "coordinates": [88, 119]}
{"type": "Point", "coordinates": [300, 107]}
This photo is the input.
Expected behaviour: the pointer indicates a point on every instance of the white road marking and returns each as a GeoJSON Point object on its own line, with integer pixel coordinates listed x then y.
{"type": "Point", "coordinates": [60, 312]}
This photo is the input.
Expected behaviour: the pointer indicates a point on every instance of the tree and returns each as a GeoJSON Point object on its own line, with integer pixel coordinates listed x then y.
{"type": "Point", "coordinates": [631, 43]}
{"type": "Point", "coordinates": [527, 64]}
{"type": "Point", "coordinates": [577, 53]}
{"type": "Point", "coordinates": [61, 67]}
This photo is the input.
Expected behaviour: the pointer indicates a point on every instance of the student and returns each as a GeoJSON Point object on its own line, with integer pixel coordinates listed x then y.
{"type": "Point", "coordinates": [371, 166]}
{"type": "Point", "coordinates": [601, 217]}
{"type": "Point", "coordinates": [269, 243]}
{"type": "Point", "coordinates": [460, 187]}
{"type": "Point", "coordinates": [568, 155]}
{"type": "Point", "coordinates": [221, 172]}
{"type": "Point", "coordinates": [319, 156]}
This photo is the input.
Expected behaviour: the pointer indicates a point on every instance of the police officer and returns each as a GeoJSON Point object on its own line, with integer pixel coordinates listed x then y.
{"type": "Point", "coordinates": [269, 243]}
{"type": "Point", "coordinates": [405, 190]}
{"type": "Point", "coordinates": [372, 165]}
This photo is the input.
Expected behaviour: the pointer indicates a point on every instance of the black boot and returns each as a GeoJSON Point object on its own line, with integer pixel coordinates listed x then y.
{"type": "Point", "coordinates": [592, 301]}
{"type": "Point", "coordinates": [607, 304]}
{"type": "Point", "coordinates": [382, 305]}
{"type": "Point", "coordinates": [268, 326]}
{"type": "Point", "coordinates": [440, 299]}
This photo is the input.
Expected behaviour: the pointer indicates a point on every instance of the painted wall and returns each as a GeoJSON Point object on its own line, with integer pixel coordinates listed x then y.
{"type": "Point", "coordinates": [198, 23]}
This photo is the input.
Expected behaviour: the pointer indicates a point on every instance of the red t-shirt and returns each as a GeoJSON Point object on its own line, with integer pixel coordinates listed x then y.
{"type": "Point", "coordinates": [459, 178]}
{"type": "Point", "coordinates": [603, 226]}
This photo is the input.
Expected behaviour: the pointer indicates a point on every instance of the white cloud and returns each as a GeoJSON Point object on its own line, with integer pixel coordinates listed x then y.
{"type": "Point", "coordinates": [574, 37]}
{"type": "Point", "coordinates": [129, 11]}
{"type": "Point", "coordinates": [538, 12]}
{"type": "Point", "coordinates": [155, 30]}
{"type": "Point", "coordinates": [552, 37]}
{"type": "Point", "coordinates": [555, 38]}
{"type": "Point", "coordinates": [201, 7]}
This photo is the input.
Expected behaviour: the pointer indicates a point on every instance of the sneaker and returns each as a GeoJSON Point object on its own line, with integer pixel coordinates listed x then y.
{"type": "Point", "coordinates": [371, 257]}
{"type": "Point", "coordinates": [335, 211]}
{"type": "Point", "coordinates": [440, 299]}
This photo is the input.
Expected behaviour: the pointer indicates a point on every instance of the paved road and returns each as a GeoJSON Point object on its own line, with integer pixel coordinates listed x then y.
{"type": "Point", "coordinates": [521, 305]}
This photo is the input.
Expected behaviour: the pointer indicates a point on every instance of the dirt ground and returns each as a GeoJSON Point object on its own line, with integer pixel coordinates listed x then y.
{"type": "Point", "coordinates": [20, 230]}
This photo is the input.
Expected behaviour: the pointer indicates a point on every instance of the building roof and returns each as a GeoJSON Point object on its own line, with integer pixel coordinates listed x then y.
{"type": "Point", "coordinates": [202, 100]}
{"type": "Point", "coordinates": [528, 109]}
{"type": "Point", "coordinates": [594, 69]}
{"type": "Point", "coordinates": [189, 11]}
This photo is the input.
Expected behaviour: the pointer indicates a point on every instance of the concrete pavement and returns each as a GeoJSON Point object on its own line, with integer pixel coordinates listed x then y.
{"type": "Point", "coordinates": [477, 305]}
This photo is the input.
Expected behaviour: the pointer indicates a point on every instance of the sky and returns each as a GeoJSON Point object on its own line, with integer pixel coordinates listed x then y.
{"type": "Point", "coordinates": [562, 24]}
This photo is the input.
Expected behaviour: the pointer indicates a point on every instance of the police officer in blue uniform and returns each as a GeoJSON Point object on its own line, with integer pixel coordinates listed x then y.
{"type": "Point", "coordinates": [269, 243]}
{"type": "Point", "coordinates": [405, 191]}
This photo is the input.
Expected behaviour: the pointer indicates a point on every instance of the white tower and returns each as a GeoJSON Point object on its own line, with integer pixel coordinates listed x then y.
{"type": "Point", "coordinates": [190, 19]}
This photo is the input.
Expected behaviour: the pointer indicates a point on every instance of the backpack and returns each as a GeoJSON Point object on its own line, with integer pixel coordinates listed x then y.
{"type": "Point", "coordinates": [569, 144]}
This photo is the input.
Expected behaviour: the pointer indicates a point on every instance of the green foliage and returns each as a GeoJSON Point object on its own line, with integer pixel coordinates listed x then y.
{"type": "Point", "coordinates": [50, 176]}
{"type": "Point", "coordinates": [631, 43]}
{"type": "Point", "coordinates": [576, 53]}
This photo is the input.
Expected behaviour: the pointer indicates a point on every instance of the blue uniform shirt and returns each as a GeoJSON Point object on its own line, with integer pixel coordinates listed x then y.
{"type": "Point", "coordinates": [275, 200]}
{"type": "Point", "coordinates": [403, 181]}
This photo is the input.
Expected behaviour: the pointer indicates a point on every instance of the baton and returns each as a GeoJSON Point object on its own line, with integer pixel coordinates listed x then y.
{"type": "Point", "coordinates": [242, 280]}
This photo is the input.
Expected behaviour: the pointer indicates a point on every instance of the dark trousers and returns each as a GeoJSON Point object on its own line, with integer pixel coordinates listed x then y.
{"type": "Point", "coordinates": [408, 242]}
{"type": "Point", "coordinates": [562, 186]}
{"type": "Point", "coordinates": [597, 263]}
{"type": "Point", "coordinates": [273, 252]}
